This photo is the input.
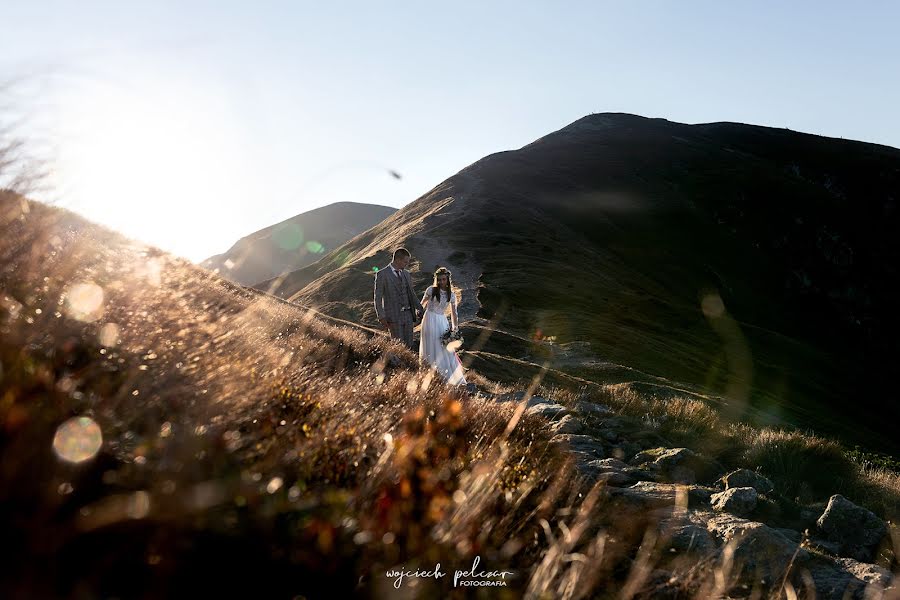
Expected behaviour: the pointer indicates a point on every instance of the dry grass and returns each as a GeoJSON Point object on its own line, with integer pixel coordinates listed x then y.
{"type": "Point", "coordinates": [250, 448]}
{"type": "Point", "coordinates": [806, 468]}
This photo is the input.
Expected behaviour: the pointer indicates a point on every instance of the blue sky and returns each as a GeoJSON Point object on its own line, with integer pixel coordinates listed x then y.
{"type": "Point", "coordinates": [190, 124]}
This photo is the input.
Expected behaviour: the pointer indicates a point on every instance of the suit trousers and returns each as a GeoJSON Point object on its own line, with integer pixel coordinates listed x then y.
{"type": "Point", "coordinates": [403, 330]}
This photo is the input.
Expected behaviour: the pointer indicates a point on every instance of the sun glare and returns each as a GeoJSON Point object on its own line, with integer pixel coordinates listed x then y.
{"type": "Point", "coordinates": [162, 168]}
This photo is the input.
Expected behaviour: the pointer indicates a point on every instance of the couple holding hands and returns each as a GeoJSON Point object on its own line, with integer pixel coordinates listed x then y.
{"type": "Point", "coordinates": [398, 311]}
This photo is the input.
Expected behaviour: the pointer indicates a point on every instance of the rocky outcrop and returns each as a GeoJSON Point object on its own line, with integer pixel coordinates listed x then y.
{"type": "Point", "coordinates": [702, 525]}
{"type": "Point", "coordinates": [855, 531]}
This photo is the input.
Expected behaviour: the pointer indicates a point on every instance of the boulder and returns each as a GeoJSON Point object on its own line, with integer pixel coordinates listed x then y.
{"type": "Point", "coordinates": [534, 400]}
{"type": "Point", "coordinates": [646, 495]}
{"type": "Point", "coordinates": [615, 478]}
{"type": "Point", "coordinates": [611, 471]}
{"type": "Point", "coordinates": [856, 530]}
{"type": "Point", "coordinates": [585, 444]}
{"type": "Point", "coordinates": [761, 554]}
{"type": "Point", "coordinates": [739, 501]}
{"type": "Point", "coordinates": [791, 534]}
{"type": "Point", "coordinates": [609, 435]}
{"type": "Point", "coordinates": [685, 532]}
{"type": "Point", "coordinates": [747, 478]}
{"type": "Point", "coordinates": [867, 573]}
{"type": "Point", "coordinates": [845, 578]}
{"type": "Point", "coordinates": [568, 424]}
{"type": "Point", "coordinates": [677, 465]}
{"type": "Point", "coordinates": [647, 439]}
{"type": "Point", "coordinates": [625, 449]}
{"type": "Point", "coordinates": [548, 411]}
{"type": "Point", "coordinates": [610, 464]}
{"type": "Point", "coordinates": [621, 424]}
{"type": "Point", "coordinates": [591, 409]}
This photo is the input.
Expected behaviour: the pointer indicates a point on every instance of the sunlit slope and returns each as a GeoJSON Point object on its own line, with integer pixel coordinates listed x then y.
{"type": "Point", "coordinates": [152, 409]}
{"type": "Point", "coordinates": [295, 242]}
{"type": "Point", "coordinates": [612, 232]}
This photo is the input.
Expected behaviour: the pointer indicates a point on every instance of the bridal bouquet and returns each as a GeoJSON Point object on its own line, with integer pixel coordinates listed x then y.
{"type": "Point", "coordinates": [451, 335]}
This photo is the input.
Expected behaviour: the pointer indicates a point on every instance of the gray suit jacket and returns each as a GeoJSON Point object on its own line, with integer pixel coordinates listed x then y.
{"type": "Point", "coordinates": [392, 293]}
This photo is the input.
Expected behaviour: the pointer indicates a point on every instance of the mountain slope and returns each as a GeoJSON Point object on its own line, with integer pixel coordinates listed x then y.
{"type": "Point", "coordinates": [169, 432]}
{"type": "Point", "coordinates": [755, 263]}
{"type": "Point", "coordinates": [295, 242]}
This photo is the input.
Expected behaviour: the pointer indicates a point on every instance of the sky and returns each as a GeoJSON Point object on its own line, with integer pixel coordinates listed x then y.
{"type": "Point", "coordinates": [188, 125]}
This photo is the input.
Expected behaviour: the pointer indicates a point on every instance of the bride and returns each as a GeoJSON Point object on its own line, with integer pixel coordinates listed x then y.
{"type": "Point", "coordinates": [434, 324]}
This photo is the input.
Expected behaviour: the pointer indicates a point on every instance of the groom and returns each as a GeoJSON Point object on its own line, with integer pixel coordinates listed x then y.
{"type": "Point", "coordinates": [396, 306]}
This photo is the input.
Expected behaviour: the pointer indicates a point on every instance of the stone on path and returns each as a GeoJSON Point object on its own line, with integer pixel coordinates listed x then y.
{"type": "Point", "coordinates": [856, 530]}
{"type": "Point", "coordinates": [739, 501]}
{"type": "Point", "coordinates": [747, 478]}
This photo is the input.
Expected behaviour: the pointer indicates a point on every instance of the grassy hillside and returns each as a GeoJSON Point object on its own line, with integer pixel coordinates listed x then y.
{"type": "Point", "coordinates": [296, 242]}
{"type": "Point", "coordinates": [166, 431]}
{"type": "Point", "coordinates": [746, 262]}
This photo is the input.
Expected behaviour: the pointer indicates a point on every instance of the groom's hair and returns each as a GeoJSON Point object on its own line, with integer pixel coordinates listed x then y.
{"type": "Point", "coordinates": [400, 252]}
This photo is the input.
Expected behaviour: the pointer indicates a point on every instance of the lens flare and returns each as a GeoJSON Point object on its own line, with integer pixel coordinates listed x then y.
{"type": "Point", "coordinates": [84, 301]}
{"type": "Point", "coordinates": [78, 439]}
{"type": "Point", "coordinates": [109, 335]}
{"type": "Point", "coordinates": [288, 236]}
{"type": "Point", "coordinates": [712, 306]}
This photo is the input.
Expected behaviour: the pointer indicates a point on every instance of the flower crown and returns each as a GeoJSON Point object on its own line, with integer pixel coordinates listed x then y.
{"type": "Point", "coordinates": [442, 271]}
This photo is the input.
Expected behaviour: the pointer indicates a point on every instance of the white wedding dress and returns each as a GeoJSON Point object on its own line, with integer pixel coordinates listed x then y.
{"type": "Point", "coordinates": [434, 325]}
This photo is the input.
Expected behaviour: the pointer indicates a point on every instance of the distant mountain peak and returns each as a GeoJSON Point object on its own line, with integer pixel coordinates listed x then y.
{"type": "Point", "coordinates": [295, 242]}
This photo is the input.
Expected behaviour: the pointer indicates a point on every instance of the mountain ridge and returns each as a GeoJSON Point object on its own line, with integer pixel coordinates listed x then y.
{"type": "Point", "coordinates": [657, 215]}
{"type": "Point", "coordinates": [295, 241]}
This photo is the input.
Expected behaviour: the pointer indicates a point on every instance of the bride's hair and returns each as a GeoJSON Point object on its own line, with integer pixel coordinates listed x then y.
{"type": "Point", "coordinates": [435, 290]}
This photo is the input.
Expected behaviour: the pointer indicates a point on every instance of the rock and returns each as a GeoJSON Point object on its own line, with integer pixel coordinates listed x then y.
{"type": "Point", "coordinates": [747, 478]}
{"type": "Point", "coordinates": [571, 442]}
{"type": "Point", "coordinates": [857, 531]}
{"type": "Point", "coordinates": [867, 573]}
{"type": "Point", "coordinates": [823, 546]}
{"type": "Point", "coordinates": [611, 471]}
{"type": "Point", "coordinates": [615, 478]}
{"type": "Point", "coordinates": [791, 534]}
{"type": "Point", "coordinates": [625, 449]}
{"type": "Point", "coordinates": [760, 553]}
{"type": "Point", "coordinates": [548, 411]}
{"type": "Point", "coordinates": [591, 409]}
{"type": "Point", "coordinates": [810, 514]}
{"type": "Point", "coordinates": [647, 439]}
{"type": "Point", "coordinates": [674, 464]}
{"type": "Point", "coordinates": [620, 424]}
{"type": "Point", "coordinates": [686, 533]}
{"type": "Point", "coordinates": [609, 464]}
{"type": "Point", "coordinates": [646, 495]}
{"type": "Point", "coordinates": [739, 501]}
{"type": "Point", "coordinates": [519, 396]}
{"type": "Point", "coordinates": [472, 388]}
{"type": "Point", "coordinates": [608, 434]}
{"type": "Point", "coordinates": [846, 578]}
{"type": "Point", "coordinates": [568, 424]}
{"type": "Point", "coordinates": [534, 400]}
